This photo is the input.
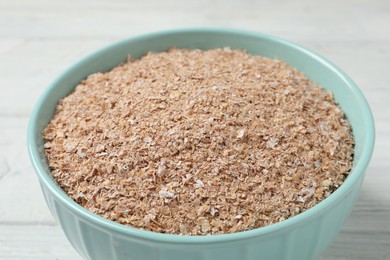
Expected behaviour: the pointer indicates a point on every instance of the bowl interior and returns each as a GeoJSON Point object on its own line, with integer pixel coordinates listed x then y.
{"type": "Point", "coordinates": [312, 65]}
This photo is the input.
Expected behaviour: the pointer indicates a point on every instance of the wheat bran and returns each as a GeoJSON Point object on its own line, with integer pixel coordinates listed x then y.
{"type": "Point", "coordinates": [199, 142]}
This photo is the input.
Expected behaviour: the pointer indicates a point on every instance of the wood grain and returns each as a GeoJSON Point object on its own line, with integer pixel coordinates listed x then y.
{"type": "Point", "coordinates": [40, 38]}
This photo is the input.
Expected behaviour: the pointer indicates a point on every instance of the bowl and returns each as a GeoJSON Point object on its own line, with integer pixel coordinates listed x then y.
{"type": "Point", "coordinates": [301, 237]}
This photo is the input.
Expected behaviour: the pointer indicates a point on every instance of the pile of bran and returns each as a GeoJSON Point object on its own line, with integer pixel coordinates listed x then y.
{"type": "Point", "coordinates": [198, 142]}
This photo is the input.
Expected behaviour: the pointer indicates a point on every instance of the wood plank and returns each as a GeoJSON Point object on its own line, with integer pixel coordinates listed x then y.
{"type": "Point", "coordinates": [348, 19]}
{"type": "Point", "coordinates": [21, 200]}
{"type": "Point", "coordinates": [19, 242]}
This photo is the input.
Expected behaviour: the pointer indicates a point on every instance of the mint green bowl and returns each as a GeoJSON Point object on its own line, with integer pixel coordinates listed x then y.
{"type": "Point", "coordinates": [302, 237]}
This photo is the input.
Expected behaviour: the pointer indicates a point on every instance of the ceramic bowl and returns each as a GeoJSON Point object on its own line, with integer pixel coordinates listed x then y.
{"type": "Point", "coordinates": [301, 237]}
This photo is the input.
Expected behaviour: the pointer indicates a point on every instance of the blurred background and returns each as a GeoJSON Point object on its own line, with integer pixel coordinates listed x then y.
{"type": "Point", "coordinates": [41, 38]}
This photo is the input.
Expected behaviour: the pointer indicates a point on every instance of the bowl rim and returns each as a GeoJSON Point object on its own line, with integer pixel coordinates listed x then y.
{"type": "Point", "coordinates": [103, 223]}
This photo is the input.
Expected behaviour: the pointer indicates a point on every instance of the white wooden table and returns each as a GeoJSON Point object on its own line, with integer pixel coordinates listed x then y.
{"type": "Point", "coordinates": [40, 38]}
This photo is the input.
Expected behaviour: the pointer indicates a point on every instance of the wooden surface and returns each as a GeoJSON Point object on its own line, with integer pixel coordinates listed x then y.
{"type": "Point", "coordinates": [40, 38]}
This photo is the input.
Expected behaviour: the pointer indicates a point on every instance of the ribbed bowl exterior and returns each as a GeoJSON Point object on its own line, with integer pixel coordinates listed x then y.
{"type": "Point", "coordinates": [304, 241]}
{"type": "Point", "coordinates": [302, 237]}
